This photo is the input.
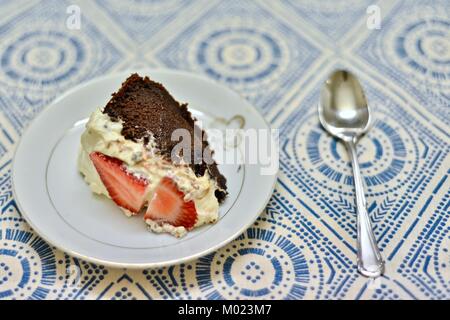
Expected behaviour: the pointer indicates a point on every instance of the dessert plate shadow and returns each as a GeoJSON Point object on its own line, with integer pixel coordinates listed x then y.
{"type": "Point", "coordinates": [57, 203]}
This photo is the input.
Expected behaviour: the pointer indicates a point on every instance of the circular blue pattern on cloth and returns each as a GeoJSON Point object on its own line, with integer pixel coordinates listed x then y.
{"type": "Point", "coordinates": [42, 58]}
{"type": "Point", "coordinates": [412, 49]}
{"type": "Point", "coordinates": [385, 154]}
{"type": "Point", "coordinates": [27, 265]}
{"type": "Point", "coordinates": [240, 55]}
{"type": "Point", "coordinates": [423, 49]}
{"type": "Point", "coordinates": [257, 265]}
{"type": "Point", "coordinates": [418, 44]}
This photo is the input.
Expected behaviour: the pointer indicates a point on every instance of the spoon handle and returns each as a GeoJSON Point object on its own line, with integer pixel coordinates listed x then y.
{"type": "Point", "coordinates": [370, 262]}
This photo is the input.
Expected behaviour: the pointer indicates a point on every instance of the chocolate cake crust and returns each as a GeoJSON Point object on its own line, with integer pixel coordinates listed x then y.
{"type": "Point", "coordinates": [146, 108]}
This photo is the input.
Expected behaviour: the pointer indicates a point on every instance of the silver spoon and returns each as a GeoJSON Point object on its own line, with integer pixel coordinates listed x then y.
{"type": "Point", "coordinates": [344, 113]}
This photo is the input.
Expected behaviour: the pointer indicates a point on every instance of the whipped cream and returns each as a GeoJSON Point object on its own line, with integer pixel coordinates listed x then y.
{"type": "Point", "coordinates": [104, 135]}
{"type": "Point", "coordinates": [166, 228]}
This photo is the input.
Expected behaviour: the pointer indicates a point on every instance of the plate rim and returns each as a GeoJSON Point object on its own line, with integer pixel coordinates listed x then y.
{"type": "Point", "coordinates": [113, 264]}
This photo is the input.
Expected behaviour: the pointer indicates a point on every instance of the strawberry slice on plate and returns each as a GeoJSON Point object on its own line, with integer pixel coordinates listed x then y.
{"type": "Point", "coordinates": [168, 205]}
{"type": "Point", "coordinates": [125, 189]}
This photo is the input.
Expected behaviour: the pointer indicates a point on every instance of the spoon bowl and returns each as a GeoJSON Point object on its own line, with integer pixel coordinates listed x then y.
{"type": "Point", "coordinates": [343, 108]}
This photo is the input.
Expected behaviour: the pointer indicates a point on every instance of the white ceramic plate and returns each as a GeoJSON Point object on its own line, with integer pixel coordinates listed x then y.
{"type": "Point", "coordinates": [58, 204]}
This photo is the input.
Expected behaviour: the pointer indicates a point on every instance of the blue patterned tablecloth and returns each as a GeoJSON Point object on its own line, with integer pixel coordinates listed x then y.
{"type": "Point", "coordinates": [276, 54]}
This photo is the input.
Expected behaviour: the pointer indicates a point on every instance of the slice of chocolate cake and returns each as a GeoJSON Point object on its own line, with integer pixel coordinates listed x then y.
{"type": "Point", "coordinates": [127, 154]}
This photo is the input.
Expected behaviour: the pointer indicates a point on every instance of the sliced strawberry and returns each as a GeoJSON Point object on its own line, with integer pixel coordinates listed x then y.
{"type": "Point", "coordinates": [168, 205]}
{"type": "Point", "coordinates": [124, 188]}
